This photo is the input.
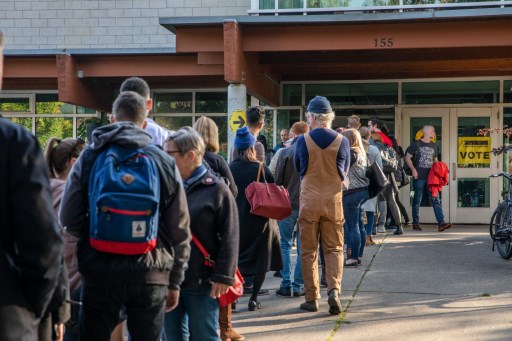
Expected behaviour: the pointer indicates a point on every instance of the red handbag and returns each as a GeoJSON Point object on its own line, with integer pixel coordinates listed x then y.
{"type": "Point", "coordinates": [268, 199]}
{"type": "Point", "coordinates": [234, 291]}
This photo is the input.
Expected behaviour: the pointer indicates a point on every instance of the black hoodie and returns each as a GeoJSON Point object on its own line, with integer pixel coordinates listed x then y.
{"type": "Point", "coordinates": [164, 265]}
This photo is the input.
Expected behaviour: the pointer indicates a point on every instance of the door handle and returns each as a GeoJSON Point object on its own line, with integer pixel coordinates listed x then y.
{"type": "Point", "coordinates": [454, 173]}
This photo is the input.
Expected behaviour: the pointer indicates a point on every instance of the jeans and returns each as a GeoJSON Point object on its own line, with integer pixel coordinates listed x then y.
{"type": "Point", "coordinates": [419, 186]}
{"type": "Point", "coordinates": [196, 315]}
{"type": "Point", "coordinates": [382, 207]}
{"type": "Point", "coordinates": [352, 207]}
{"type": "Point", "coordinates": [72, 332]}
{"type": "Point", "coordinates": [370, 220]}
{"type": "Point", "coordinates": [103, 307]}
{"type": "Point", "coordinates": [286, 227]}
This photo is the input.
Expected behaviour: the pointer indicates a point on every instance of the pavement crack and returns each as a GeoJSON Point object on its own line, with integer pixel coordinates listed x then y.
{"type": "Point", "coordinates": [341, 317]}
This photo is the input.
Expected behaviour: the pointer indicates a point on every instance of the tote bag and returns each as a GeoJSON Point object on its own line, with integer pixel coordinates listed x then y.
{"type": "Point", "coordinates": [268, 199]}
{"type": "Point", "coordinates": [378, 180]}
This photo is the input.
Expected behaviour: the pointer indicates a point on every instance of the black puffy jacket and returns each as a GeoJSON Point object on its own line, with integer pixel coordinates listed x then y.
{"type": "Point", "coordinates": [30, 241]}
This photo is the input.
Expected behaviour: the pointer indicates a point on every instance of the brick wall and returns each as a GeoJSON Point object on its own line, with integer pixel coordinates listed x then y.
{"type": "Point", "coordinates": [57, 24]}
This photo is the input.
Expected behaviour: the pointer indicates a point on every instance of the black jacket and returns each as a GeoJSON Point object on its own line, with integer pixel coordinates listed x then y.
{"type": "Point", "coordinates": [214, 222]}
{"type": "Point", "coordinates": [164, 265]}
{"type": "Point", "coordinates": [220, 166]}
{"type": "Point", "coordinates": [287, 176]}
{"type": "Point", "coordinates": [30, 242]}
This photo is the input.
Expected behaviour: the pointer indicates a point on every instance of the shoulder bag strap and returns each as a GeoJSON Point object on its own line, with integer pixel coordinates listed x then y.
{"type": "Point", "coordinates": [207, 259]}
{"type": "Point", "coordinates": [261, 172]}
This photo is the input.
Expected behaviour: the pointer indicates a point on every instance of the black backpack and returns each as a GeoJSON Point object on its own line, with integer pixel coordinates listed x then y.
{"type": "Point", "coordinates": [389, 158]}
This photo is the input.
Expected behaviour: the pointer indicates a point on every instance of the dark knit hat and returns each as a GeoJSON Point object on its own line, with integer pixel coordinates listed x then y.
{"type": "Point", "coordinates": [244, 138]}
{"type": "Point", "coordinates": [319, 105]}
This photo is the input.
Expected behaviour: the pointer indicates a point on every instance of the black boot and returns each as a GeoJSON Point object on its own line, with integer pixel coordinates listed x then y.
{"type": "Point", "coordinates": [399, 230]}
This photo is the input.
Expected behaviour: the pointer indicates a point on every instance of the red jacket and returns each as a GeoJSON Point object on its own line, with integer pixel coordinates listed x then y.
{"type": "Point", "coordinates": [437, 177]}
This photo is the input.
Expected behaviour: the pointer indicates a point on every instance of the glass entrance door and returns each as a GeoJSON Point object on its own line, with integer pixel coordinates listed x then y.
{"type": "Point", "coordinates": [469, 197]}
{"type": "Point", "coordinates": [471, 163]}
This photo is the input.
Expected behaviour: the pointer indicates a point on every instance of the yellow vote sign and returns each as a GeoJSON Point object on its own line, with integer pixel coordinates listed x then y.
{"type": "Point", "coordinates": [474, 150]}
{"type": "Point", "coordinates": [237, 120]}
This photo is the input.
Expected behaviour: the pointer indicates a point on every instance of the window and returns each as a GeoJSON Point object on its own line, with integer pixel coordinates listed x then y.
{"type": "Point", "coordinates": [176, 110]}
{"type": "Point", "coordinates": [451, 92]}
{"type": "Point", "coordinates": [47, 116]}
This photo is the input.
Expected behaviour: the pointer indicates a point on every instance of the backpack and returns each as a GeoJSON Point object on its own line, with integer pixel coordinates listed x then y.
{"type": "Point", "coordinates": [389, 158]}
{"type": "Point", "coordinates": [124, 198]}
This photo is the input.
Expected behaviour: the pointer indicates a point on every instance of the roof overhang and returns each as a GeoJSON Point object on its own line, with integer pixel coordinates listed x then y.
{"type": "Point", "coordinates": [91, 78]}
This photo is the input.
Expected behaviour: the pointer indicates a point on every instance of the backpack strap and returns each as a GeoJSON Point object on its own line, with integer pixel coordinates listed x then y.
{"type": "Point", "coordinates": [167, 170]}
{"type": "Point", "coordinates": [87, 159]}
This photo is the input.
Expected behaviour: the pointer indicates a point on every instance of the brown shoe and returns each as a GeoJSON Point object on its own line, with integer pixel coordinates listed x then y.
{"type": "Point", "coordinates": [416, 227]}
{"type": "Point", "coordinates": [369, 241]}
{"type": "Point", "coordinates": [443, 227]}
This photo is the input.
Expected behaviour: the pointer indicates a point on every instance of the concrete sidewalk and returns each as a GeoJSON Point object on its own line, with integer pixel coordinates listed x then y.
{"type": "Point", "coordinates": [419, 286]}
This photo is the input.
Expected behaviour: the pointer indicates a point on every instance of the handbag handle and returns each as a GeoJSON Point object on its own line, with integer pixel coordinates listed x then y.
{"type": "Point", "coordinates": [207, 259]}
{"type": "Point", "coordinates": [261, 172]}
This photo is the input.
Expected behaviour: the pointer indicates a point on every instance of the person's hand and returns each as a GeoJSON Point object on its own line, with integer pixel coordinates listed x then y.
{"type": "Point", "coordinates": [172, 300]}
{"type": "Point", "coordinates": [218, 289]}
{"type": "Point", "coordinates": [415, 174]}
{"type": "Point", "coordinates": [59, 331]}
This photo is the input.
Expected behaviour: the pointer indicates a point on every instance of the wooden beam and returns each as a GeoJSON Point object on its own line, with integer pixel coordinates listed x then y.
{"type": "Point", "coordinates": [200, 40]}
{"type": "Point", "coordinates": [233, 56]}
{"type": "Point", "coordinates": [76, 91]}
{"type": "Point", "coordinates": [145, 66]}
{"type": "Point", "coordinates": [379, 36]}
{"type": "Point", "coordinates": [30, 67]}
{"type": "Point", "coordinates": [210, 58]}
{"type": "Point", "coordinates": [502, 64]}
{"type": "Point", "coordinates": [260, 84]}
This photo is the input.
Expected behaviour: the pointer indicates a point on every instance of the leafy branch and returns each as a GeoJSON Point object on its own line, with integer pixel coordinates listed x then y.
{"type": "Point", "coordinates": [505, 130]}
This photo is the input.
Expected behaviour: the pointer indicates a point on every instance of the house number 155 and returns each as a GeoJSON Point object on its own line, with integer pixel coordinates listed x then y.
{"type": "Point", "coordinates": [383, 42]}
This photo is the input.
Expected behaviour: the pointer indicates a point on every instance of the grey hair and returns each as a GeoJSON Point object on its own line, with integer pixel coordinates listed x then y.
{"type": "Point", "coordinates": [325, 118]}
{"type": "Point", "coordinates": [187, 139]}
{"type": "Point", "coordinates": [426, 127]}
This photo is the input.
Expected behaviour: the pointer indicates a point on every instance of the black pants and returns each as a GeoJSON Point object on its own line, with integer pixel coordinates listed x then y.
{"type": "Point", "coordinates": [104, 307]}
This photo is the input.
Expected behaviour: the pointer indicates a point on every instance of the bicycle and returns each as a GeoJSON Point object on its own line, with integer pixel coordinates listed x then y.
{"type": "Point", "coordinates": [501, 222]}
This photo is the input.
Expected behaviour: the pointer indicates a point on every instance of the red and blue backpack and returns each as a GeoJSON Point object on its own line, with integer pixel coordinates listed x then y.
{"type": "Point", "coordinates": [124, 199]}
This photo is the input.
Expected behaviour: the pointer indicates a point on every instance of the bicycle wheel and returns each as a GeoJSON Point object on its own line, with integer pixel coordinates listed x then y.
{"type": "Point", "coordinates": [492, 226]}
{"type": "Point", "coordinates": [500, 229]}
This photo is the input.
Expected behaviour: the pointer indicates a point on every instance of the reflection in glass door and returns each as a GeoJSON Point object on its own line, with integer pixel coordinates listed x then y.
{"type": "Point", "coordinates": [472, 163]}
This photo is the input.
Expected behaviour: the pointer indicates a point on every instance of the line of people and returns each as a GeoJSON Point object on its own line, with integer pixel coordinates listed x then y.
{"type": "Point", "coordinates": [167, 291]}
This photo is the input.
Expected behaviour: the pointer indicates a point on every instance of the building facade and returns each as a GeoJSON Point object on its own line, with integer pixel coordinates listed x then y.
{"type": "Point", "coordinates": [412, 63]}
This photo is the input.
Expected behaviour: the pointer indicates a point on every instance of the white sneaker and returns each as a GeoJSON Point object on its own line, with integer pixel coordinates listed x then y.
{"type": "Point", "coordinates": [381, 229]}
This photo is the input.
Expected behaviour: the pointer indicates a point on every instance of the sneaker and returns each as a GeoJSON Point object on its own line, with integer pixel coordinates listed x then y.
{"type": "Point", "coordinates": [284, 292]}
{"type": "Point", "coordinates": [334, 302]}
{"type": "Point", "coordinates": [278, 274]}
{"type": "Point", "coordinates": [299, 293]}
{"type": "Point", "coordinates": [407, 224]}
{"type": "Point", "coordinates": [309, 306]}
{"type": "Point", "coordinates": [351, 263]}
{"type": "Point", "coordinates": [444, 226]}
{"type": "Point", "coordinates": [416, 227]}
{"type": "Point", "coordinates": [381, 229]}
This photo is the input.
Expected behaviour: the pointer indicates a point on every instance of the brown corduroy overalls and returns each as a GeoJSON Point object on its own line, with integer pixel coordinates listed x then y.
{"type": "Point", "coordinates": [321, 215]}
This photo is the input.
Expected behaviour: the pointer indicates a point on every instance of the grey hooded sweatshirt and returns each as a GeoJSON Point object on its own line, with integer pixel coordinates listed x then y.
{"type": "Point", "coordinates": [164, 265]}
